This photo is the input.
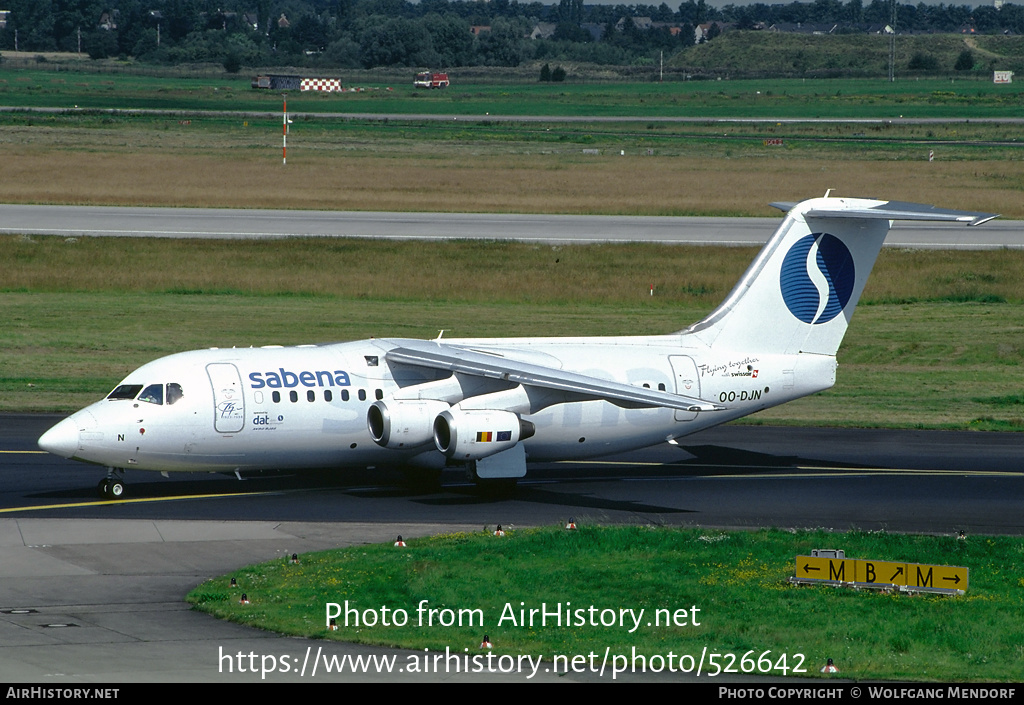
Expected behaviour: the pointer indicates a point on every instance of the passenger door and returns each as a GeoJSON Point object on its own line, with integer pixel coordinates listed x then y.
{"type": "Point", "coordinates": [687, 382]}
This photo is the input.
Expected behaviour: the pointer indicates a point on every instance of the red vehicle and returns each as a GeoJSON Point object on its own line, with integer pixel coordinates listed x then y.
{"type": "Point", "coordinates": [428, 79]}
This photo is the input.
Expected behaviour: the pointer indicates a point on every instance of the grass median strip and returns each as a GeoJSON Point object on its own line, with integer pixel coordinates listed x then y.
{"type": "Point", "coordinates": [549, 592]}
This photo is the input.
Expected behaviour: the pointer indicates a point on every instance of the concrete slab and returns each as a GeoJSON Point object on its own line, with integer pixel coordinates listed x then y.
{"type": "Point", "coordinates": [102, 531]}
{"type": "Point", "coordinates": [27, 562]}
{"type": "Point", "coordinates": [10, 533]}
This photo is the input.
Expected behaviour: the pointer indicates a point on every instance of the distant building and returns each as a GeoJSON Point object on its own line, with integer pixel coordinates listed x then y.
{"type": "Point", "coordinates": [673, 29]}
{"type": "Point", "coordinates": [543, 30]}
{"type": "Point", "coordinates": [704, 32]}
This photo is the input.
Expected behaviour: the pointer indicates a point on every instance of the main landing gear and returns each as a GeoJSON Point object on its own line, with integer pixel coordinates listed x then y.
{"type": "Point", "coordinates": [111, 486]}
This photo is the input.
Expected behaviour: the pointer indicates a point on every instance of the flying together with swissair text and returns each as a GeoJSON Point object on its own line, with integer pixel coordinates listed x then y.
{"type": "Point", "coordinates": [493, 405]}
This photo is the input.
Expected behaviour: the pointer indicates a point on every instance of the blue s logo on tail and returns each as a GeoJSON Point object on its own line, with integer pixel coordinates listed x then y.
{"type": "Point", "coordinates": [817, 278]}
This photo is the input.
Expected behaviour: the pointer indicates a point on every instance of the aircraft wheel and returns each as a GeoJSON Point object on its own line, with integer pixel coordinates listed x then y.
{"type": "Point", "coordinates": [110, 488]}
{"type": "Point", "coordinates": [115, 489]}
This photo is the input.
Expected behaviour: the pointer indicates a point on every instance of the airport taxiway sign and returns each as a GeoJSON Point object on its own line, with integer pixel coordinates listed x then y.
{"type": "Point", "coordinates": [871, 572]}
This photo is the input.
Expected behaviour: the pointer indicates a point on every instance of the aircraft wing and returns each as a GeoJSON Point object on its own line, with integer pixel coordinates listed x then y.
{"type": "Point", "coordinates": [460, 360]}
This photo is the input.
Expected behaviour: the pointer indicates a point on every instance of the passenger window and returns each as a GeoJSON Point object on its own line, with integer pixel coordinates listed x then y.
{"type": "Point", "coordinates": [154, 394]}
{"type": "Point", "coordinates": [379, 394]}
{"type": "Point", "coordinates": [362, 395]}
{"type": "Point", "coordinates": [310, 395]}
{"type": "Point", "coordinates": [174, 392]}
{"type": "Point", "coordinates": [344, 395]}
{"type": "Point", "coordinates": [293, 395]}
{"type": "Point", "coordinates": [328, 395]}
{"type": "Point", "coordinates": [276, 396]}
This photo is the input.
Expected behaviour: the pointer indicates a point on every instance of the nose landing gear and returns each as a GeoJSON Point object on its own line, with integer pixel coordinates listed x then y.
{"type": "Point", "coordinates": [111, 487]}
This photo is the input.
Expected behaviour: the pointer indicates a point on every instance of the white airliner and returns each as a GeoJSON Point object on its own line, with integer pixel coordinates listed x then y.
{"type": "Point", "coordinates": [493, 405]}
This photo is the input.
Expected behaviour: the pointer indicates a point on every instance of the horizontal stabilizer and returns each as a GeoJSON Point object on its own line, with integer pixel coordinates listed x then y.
{"type": "Point", "coordinates": [893, 210]}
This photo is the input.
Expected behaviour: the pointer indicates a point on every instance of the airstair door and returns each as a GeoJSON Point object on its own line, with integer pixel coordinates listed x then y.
{"type": "Point", "coordinates": [228, 404]}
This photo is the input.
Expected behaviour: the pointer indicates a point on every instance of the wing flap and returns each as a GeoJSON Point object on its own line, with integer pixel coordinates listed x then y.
{"type": "Point", "coordinates": [443, 356]}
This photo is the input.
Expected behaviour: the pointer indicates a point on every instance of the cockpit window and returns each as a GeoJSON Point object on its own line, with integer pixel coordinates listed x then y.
{"type": "Point", "coordinates": [154, 394]}
{"type": "Point", "coordinates": [125, 391]}
{"type": "Point", "coordinates": [174, 392]}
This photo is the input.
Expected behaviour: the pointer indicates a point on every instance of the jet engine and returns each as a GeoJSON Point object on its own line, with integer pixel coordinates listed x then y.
{"type": "Point", "coordinates": [403, 424]}
{"type": "Point", "coordinates": [472, 435]}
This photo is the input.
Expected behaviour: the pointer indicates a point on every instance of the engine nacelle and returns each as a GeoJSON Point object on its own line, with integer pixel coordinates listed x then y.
{"type": "Point", "coordinates": [403, 424]}
{"type": "Point", "coordinates": [471, 435]}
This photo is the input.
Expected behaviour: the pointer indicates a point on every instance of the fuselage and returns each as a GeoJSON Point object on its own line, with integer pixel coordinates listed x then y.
{"type": "Point", "coordinates": [306, 406]}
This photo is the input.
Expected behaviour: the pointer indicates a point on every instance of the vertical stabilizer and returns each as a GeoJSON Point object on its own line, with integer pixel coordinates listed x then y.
{"type": "Point", "coordinates": [800, 292]}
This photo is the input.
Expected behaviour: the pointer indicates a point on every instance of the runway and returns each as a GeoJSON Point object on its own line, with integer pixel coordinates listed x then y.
{"type": "Point", "coordinates": [209, 223]}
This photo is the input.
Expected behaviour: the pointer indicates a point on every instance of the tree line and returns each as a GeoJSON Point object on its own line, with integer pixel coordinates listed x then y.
{"type": "Point", "coordinates": [437, 33]}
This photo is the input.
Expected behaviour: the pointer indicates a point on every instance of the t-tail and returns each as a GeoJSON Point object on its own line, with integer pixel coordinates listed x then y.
{"type": "Point", "coordinates": [800, 292]}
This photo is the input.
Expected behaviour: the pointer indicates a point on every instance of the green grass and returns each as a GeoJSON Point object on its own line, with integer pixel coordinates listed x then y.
{"type": "Point", "coordinates": [737, 581]}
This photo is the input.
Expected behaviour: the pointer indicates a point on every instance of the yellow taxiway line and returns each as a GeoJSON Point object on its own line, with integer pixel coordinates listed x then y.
{"type": "Point", "coordinates": [102, 502]}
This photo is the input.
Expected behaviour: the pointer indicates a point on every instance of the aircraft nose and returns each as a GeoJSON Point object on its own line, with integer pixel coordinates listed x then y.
{"type": "Point", "coordinates": [62, 439]}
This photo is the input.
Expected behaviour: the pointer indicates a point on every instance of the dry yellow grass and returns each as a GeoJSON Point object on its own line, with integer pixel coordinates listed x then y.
{"type": "Point", "coordinates": [125, 161]}
{"type": "Point", "coordinates": [534, 183]}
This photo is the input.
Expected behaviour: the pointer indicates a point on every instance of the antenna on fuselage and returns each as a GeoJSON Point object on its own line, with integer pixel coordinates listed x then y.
{"type": "Point", "coordinates": [439, 334]}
